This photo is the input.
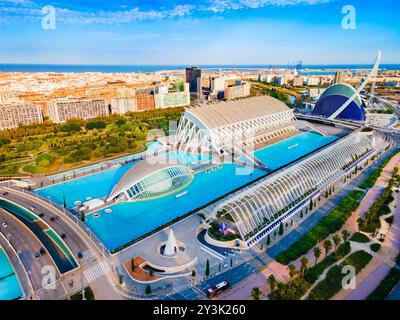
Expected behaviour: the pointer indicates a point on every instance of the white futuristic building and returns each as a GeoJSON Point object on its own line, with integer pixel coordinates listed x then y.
{"type": "Point", "coordinates": [233, 126]}
{"type": "Point", "coordinates": [260, 209]}
{"type": "Point", "coordinates": [144, 181]}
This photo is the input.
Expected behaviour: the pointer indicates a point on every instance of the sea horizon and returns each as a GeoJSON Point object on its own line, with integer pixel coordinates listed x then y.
{"type": "Point", "coordinates": [77, 68]}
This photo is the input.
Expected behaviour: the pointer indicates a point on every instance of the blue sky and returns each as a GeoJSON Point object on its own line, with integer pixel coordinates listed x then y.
{"type": "Point", "coordinates": [180, 32]}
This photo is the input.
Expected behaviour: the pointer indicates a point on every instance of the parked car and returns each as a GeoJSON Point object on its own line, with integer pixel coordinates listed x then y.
{"type": "Point", "coordinates": [32, 208]}
{"type": "Point", "coordinates": [79, 255]}
{"type": "Point", "coordinates": [42, 251]}
{"type": "Point", "coordinates": [63, 236]}
{"type": "Point", "coordinates": [37, 255]}
{"type": "Point", "coordinates": [4, 224]}
{"type": "Point", "coordinates": [41, 215]}
{"type": "Point", "coordinates": [5, 193]}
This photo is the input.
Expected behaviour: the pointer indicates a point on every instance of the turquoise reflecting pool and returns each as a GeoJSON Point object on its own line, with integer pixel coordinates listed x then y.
{"type": "Point", "coordinates": [279, 154]}
{"type": "Point", "coordinates": [9, 285]}
{"type": "Point", "coordinates": [129, 221]}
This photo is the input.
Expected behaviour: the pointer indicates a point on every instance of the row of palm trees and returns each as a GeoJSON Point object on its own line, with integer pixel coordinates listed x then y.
{"type": "Point", "coordinates": [304, 262]}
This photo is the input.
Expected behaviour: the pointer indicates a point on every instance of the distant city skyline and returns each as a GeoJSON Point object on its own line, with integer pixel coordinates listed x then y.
{"type": "Point", "coordinates": [210, 32]}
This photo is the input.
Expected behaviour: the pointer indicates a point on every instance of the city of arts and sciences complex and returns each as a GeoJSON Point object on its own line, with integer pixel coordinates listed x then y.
{"type": "Point", "coordinates": [209, 182]}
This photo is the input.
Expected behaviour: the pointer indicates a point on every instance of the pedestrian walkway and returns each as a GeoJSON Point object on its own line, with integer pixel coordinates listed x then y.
{"type": "Point", "coordinates": [97, 271]}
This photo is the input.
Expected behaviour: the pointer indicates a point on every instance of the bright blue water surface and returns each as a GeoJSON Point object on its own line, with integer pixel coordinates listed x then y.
{"type": "Point", "coordinates": [9, 285]}
{"type": "Point", "coordinates": [129, 221]}
{"type": "Point", "coordinates": [132, 220]}
{"type": "Point", "coordinates": [278, 154]}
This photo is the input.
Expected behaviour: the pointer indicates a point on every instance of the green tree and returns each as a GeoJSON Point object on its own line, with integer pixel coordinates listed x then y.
{"type": "Point", "coordinates": [336, 240]}
{"type": "Point", "coordinates": [280, 232]}
{"type": "Point", "coordinates": [88, 293]}
{"type": "Point", "coordinates": [345, 235]}
{"type": "Point", "coordinates": [304, 263]}
{"type": "Point", "coordinates": [327, 246]}
{"type": "Point", "coordinates": [148, 289]}
{"type": "Point", "coordinates": [207, 268]}
{"type": "Point", "coordinates": [272, 282]}
{"type": "Point", "coordinates": [317, 253]}
{"type": "Point", "coordinates": [292, 270]}
{"type": "Point", "coordinates": [255, 293]}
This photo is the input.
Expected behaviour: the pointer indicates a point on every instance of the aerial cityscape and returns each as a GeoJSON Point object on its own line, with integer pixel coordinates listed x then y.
{"type": "Point", "coordinates": [168, 152]}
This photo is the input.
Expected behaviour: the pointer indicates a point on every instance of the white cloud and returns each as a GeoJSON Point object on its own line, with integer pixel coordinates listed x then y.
{"type": "Point", "coordinates": [12, 10]}
{"type": "Point", "coordinates": [226, 5]}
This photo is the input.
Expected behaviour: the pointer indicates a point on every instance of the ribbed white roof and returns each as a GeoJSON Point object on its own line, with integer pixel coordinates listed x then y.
{"type": "Point", "coordinates": [229, 112]}
{"type": "Point", "coordinates": [138, 172]}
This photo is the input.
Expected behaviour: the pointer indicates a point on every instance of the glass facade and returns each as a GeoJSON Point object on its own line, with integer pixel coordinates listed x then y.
{"type": "Point", "coordinates": [336, 96]}
{"type": "Point", "coordinates": [161, 183]}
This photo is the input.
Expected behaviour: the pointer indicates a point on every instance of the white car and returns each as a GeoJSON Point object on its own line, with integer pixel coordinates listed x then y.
{"type": "Point", "coordinates": [4, 224]}
{"type": "Point", "coordinates": [32, 208]}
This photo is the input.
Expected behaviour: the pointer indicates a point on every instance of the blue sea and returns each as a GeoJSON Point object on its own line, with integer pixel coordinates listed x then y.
{"type": "Point", "coordinates": [154, 68]}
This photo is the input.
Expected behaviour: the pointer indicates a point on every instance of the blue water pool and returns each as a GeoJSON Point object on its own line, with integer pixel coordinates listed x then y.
{"type": "Point", "coordinates": [9, 285]}
{"type": "Point", "coordinates": [134, 219]}
{"type": "Point", "coordinates": [291, 149]}
{"type": "Point", "coordinates": [129, 221]}
{"type": "Point", "coordinates": [94, 186]}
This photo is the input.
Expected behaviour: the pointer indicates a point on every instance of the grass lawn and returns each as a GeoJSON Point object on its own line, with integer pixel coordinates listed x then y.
{"type": "Point", "coordinates": [359, 237]}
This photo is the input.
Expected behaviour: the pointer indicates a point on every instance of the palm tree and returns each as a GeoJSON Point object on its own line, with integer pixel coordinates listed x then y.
{"type": "Point", "coordinates": [336, 239]}
{"type": "Point", "coordinates": [345, 235]}
{"type": "Point", "coordinates": [272, 282]}
{"type": "Point", "coordinates": [317, 253]}
{"type": "Point", "coordinates": [292, 270]}
{"type": "Point", "coordinates": [255, 293]}
{"type": "Point", "coordinates": [303, 262]}
{"type": "Point", "coordinates": [327, 246]}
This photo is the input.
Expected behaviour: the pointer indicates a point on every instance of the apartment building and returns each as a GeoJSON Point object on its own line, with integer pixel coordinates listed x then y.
{"type": "Point", "coordinates": [61, 111]}
{"type": "Point", "coordinates": [15, 114]}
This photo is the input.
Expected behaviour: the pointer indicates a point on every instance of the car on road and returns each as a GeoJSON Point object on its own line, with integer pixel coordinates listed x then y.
{"type": "Point", "coordinates": [4, 224]}
{"type": "Point", "coordinates": [5, 193]}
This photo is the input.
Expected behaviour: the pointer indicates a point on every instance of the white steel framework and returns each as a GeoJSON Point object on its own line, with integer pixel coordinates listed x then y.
{"type": "Point", "coordinates": [258, 206]}
{"type": "Point", "coordinates": [227, 127]}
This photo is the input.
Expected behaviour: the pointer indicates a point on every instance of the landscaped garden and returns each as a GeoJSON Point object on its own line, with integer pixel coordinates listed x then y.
{"type": "Point", "coordinates": [332, 283]}
{"type": "Point", "coordinates": [49, 147]}
{"type": "Point", "coordinates": [328, 225]}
